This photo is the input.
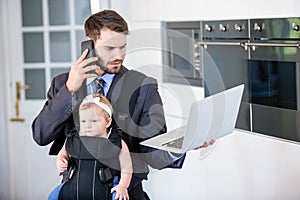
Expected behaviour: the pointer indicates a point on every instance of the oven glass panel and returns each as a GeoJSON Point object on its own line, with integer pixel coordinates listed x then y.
{"type": "Point", "coordinates": [224, 68]}
{"type": "Point", "coordinates": [183, 56]}
{"type": "Point", "coordinates": [273, 93]}
{"type": "Point", "coordinates": [273, 83]}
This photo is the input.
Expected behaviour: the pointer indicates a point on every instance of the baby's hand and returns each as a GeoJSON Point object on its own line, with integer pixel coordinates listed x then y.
{"type": "Point", "coordinates": [62, 160]}
{"type": "Point", "coordinates": [121, 191]}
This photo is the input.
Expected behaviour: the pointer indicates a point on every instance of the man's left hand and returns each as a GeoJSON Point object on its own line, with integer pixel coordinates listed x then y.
{"type": "Point", "coordinates": [206, 144]}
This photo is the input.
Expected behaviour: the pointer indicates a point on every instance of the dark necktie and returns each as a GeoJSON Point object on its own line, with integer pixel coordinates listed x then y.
{"type": "Point", "coordinates": [99, 83]}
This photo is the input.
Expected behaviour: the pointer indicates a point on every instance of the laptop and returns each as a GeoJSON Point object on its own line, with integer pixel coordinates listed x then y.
{"type": "Point", "coordinates": [210, 118]}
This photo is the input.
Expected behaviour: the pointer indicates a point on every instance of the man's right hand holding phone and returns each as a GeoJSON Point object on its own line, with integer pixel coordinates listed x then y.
{"type": "Point", "coordinates": [80, 71]}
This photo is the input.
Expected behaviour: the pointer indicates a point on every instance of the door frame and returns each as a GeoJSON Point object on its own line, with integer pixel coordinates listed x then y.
{"type": "Point", "coordinates": [7, 188]}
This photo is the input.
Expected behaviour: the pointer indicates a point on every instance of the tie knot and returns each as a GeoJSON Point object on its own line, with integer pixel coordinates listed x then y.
{"type": "Point", "coordinates": [99, 83]}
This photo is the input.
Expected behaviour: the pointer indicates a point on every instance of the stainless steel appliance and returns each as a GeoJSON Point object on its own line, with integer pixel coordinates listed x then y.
{"type": "Point", "coordinates": [263, 54]}
{"type": "Point", "coordinates": [181, 53]}
{"type": "Point", "coordinates": [274, 76]}
{"type": "Point", "coordinates": [226, 62]}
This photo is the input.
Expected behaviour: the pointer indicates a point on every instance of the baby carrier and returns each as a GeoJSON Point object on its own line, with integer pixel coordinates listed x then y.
{"type": "Point", "coordinates": [93, 166]}
{"type": "Point", "coordinates": [94, 162]}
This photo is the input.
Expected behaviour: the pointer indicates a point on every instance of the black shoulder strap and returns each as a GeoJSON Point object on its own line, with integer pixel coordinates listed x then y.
{"type": "Point", "coordinates": [128, 97]}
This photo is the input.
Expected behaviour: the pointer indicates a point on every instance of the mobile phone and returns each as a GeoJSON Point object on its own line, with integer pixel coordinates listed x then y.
{"type": "Point", "coordinates": [89, 44]}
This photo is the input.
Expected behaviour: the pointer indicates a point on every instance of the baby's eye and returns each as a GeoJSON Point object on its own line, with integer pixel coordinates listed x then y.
{"type": "Point", "coordinates": [94, 121]}
{"type": "Point", "coordinates": [82, 121]}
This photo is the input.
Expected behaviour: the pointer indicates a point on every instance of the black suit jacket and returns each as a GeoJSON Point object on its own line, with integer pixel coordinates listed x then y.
{"type": "Point", "coordinates": [55, 121]}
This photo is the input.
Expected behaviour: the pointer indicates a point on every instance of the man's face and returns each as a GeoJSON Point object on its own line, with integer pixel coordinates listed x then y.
{"type": "Point", "coordinates": [111, 50]}
{"type": "Point", "coordinates": [93, 121]}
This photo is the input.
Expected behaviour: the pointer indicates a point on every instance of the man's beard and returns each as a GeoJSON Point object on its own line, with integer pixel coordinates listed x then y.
{"type": "Point", "coordinates": [103, 66]}
{"type": "Point", "coordinates": [100, 63]}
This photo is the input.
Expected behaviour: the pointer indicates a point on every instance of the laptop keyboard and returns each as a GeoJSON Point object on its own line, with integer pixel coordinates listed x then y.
{"type": "Point", "coordinates": [177, 143]}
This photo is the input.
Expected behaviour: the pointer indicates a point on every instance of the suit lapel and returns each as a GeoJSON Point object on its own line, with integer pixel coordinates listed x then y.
{"type": "Point", "coordinates": [116, 86]}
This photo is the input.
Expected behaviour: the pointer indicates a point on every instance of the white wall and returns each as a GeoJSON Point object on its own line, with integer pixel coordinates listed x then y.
{"type": "Point", "coordinates": [155, 10]}
{"type": "Point", "coordinates": [240, 166]}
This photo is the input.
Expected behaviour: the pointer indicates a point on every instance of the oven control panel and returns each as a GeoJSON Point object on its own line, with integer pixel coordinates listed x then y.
{"type": "Point", "coordinates": [225, 29]}
{"type": "Point", "coordinates": [278, 28]}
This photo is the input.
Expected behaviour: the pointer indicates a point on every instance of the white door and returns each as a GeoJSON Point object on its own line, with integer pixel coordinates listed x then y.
{"type": "Point", "coordinates": [41, 38]}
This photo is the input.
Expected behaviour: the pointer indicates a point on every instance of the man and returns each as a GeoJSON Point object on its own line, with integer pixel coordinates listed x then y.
{"type": "Point", "coordinates": [109, 32]}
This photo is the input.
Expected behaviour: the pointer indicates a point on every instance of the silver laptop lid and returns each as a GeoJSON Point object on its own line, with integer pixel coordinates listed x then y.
{"type": "Point", "coordinates": [213, 117]}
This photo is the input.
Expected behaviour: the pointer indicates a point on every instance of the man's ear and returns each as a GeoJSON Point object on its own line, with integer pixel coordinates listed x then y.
{"type": "Point", "coordinates": [88, 38]}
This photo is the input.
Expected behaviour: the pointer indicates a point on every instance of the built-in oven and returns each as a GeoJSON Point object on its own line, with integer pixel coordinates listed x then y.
{"type": "Point", "coordinates": [225, 62]}
{"type": "Point", "coordinates": [182, 56]}
{"type": "Point", "coordinates": [263, 54]}
{"type": "Point", "coordinates": [274, 67]}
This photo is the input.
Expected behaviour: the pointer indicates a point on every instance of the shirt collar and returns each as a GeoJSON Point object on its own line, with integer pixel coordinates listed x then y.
{"type": "Point", "coordinates": [108, 78]}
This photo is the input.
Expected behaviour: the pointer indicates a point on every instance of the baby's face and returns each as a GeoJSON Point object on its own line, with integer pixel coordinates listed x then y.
{"type": "Point", "coordinates": [93, 122]}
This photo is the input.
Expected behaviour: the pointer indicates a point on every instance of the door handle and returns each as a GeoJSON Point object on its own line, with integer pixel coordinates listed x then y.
{"type": "Point", "coordinates": [17, 118]}
{"type": "Point", "coordinates": [19, 87]}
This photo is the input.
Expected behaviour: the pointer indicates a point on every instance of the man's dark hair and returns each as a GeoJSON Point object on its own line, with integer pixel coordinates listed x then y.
{"type": "Point", "coordinates": [104, 19]}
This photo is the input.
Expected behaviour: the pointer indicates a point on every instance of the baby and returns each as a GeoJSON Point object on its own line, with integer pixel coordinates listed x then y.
{"type": "Point", "coordinates": [95, 114]}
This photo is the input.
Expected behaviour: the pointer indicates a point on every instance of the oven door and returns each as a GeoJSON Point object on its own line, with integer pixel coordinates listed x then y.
{"type": "Point", "coordinates": [274, 89]}
{"type": "Point", "coordinates": [225, 66]}
{"type": "Point", "coordinates": [182, 56]}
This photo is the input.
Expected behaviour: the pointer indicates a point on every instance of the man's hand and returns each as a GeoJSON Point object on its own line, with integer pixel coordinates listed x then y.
{"type": "Point", "coordinates": [206, 144]}
{"type": "Point", "coordinates": [62, 160]}
{"type": "Point", "coordinates": [79, 72]}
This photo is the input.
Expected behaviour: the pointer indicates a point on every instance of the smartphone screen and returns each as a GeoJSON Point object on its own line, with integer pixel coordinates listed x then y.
{"type": "Point", "coordinates": [89, 44]}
